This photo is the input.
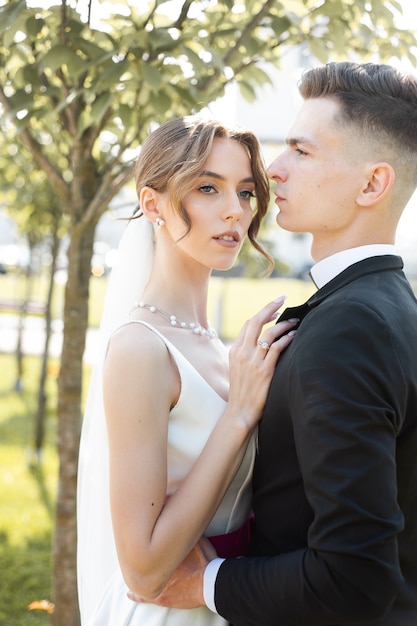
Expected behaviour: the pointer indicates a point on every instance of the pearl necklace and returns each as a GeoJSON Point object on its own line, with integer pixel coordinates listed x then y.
{"type": "Point", "coordinates": [197, 329]}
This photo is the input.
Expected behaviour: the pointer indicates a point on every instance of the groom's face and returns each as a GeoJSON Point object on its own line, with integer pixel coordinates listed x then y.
{"type": "Point", "coordinates": [318, 177]}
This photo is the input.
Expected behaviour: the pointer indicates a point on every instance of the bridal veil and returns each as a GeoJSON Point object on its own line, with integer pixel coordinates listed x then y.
{"type": "Point", "coordinates": [96, 552]}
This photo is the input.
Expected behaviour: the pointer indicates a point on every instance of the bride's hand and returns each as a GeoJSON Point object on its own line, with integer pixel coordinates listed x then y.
{"type": "Point", "coordinates": [253, 358]}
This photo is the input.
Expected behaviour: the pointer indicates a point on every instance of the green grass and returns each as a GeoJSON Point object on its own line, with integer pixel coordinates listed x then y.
{"type": "Point", "coordinates": [27, 499]}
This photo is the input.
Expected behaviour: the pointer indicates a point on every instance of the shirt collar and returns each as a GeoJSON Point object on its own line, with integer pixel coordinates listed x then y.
{"type": "Point", "coordinates": [327, 269]}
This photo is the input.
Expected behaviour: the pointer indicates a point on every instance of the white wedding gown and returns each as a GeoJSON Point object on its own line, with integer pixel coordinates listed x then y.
{"type": "Point", "coordinates": [190, 424]}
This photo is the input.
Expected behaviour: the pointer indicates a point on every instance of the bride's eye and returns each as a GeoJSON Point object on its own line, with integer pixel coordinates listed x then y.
{"type": "Point", "coordinates": [246, 194]}
{"type": "Point", "coordinates": [207, 188]}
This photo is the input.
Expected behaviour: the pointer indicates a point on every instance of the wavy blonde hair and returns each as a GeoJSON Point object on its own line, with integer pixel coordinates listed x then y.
{"type": "Point", "coordinates": [174, 155]}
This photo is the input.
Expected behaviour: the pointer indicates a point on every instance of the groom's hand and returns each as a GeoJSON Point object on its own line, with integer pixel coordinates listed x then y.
{"type": "Point", "coordinates": [184, 590]}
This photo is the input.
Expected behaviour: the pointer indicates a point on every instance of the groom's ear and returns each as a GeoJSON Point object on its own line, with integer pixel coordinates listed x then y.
{"type": "Point", "coordinates": [149, 203]}
{"type": "Point", "coordinates": [379, 182]}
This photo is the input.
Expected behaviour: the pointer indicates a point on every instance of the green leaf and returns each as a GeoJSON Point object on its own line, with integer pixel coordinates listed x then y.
{"type": "Point", "coordinates": [318, 50]}
{"type": "Point", "coordinates": [10, 12]}
{"type": "Point", "coordinates": [100, 63]}
{"type": "Point", "coordinates": [134, 41]}
{"type": "Point", "coordinates": [257, 75]}
{"type": "Point", "coordinates": [34, 25]}
{"type": "Point", "coordinates": [91, 50]}
{"type": "Point", "coordinates": [198, 64]}
{"type": "Point", "coordinates": [252, 46]}
{"type": "Point", "coordinates": [247, 91]}
{"type": "Point", "coordinates": [111, 76]}
{"type": "Point", "coordinates": [31, 76]}
{"type": "Point", "coordinates": [84, 121]}
{"type": "Point", "coordinates": [161, 102]}
{"type": "Point", "coordinates": [125, 113]}
{"type": "Point", "coordinates": [74, 27]}
{"type": "Point", "coordinates": [330, 9]}
{"type": "Point", "coordinates": [100, 106]}
{"type": "Point", "coordinates": [58, 56]}
{"type": "Point", "coordinates": [280, 25]}
{"type": "Point", "coordinates": [160, 39]}
{"type": "Point", "coordinates": [27, 78]}
{"type": "Point", "coordinates": [151, 75]}
{"type": "Point", "coordinates": [338, 32]}
{"type": "Point", "coordinates": [185, 95]}
{"type": "Point", "coordinates": [9, 34]}
{"type": "Point", "coordinates": [20, 101]}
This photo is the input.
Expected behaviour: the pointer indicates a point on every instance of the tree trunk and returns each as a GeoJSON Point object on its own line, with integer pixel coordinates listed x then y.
{"type": "Point", "coordinates": [40, 414]}
{"type": "Point", "coordinates": [18, 385]}
{"type": "Point", "coordinates": [69, 425]}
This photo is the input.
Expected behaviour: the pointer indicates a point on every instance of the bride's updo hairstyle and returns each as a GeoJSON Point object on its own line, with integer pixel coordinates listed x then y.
{"type": "Point", "coordinates": [174, 155]}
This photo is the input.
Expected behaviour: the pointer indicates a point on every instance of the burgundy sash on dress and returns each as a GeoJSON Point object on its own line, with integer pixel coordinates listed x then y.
{"type": "Point", "coordinates": [234, 544]}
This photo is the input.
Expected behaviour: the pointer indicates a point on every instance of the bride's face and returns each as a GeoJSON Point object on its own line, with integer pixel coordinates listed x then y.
{"type": "Point", "coordinates": [219, 207]}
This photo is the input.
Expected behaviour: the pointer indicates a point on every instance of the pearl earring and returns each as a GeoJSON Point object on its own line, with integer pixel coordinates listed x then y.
{"type": "Point", "coordinates": [159, 222]}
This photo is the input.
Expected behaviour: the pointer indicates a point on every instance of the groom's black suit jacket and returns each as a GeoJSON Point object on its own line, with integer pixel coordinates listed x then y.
{"type": "Point", "coordinates": [335, 483]}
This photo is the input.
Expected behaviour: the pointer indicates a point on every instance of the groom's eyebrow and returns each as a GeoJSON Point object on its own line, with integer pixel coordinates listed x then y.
{"type": "Point", "coordinates": [296, 141]}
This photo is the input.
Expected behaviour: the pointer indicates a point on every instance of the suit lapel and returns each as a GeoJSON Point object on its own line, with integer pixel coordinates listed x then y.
{"type": "Point", "coordinates": [294, 311]}
{"type": "Point", "coordinates": [361, 268]}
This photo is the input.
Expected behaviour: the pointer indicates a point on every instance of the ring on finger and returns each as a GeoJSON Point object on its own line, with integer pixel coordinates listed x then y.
{"type": "Point", "coordinates": [264, 345]}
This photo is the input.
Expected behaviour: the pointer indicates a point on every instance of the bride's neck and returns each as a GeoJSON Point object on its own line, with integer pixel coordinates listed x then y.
{"type": "Point", "coordinates": [186, 301]}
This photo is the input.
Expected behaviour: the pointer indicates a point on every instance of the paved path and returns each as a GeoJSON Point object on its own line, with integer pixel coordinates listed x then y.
{"type": "Point", "coordinates": [34, 337]}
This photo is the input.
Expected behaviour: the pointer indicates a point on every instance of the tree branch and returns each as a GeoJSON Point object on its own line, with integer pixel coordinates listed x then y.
{"type": "Point", "coordinates": [234, 50]}
{"type": "Point", "coordinates": [41, 160]}
{"type": "Point", "coordinates": [109, 187]}
{"type": "Point", "coordinates": [183, 15]}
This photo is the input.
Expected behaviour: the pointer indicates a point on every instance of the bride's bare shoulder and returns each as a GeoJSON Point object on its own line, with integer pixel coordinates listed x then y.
{"type": "Point", "coordinates": [137, 342]}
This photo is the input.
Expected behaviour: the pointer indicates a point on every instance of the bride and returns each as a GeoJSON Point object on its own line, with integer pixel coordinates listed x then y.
{"type": "Point", "coordinates": [168, 439]}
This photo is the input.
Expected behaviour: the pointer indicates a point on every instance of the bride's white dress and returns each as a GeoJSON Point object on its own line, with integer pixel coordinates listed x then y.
{"type": "Point", "coordinates": [190, 424]}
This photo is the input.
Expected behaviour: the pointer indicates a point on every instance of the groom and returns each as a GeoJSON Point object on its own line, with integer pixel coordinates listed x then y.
{"type": "Point", "coordinates": [335, 481]}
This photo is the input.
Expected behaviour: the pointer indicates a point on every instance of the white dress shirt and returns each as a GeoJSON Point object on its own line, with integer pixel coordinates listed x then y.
{"type": "Point", "coordinates": [321, 273]}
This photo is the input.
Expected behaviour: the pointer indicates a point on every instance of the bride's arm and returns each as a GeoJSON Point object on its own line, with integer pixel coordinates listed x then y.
{"type": "Point", "coordinates": [141, 384]}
